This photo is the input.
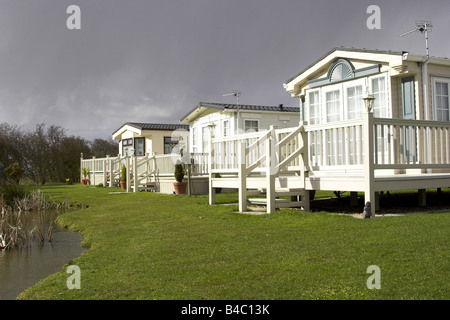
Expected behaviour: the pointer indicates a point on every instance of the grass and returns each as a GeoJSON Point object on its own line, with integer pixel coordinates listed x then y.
{"type": "Point", "coordinates": [158, 246]}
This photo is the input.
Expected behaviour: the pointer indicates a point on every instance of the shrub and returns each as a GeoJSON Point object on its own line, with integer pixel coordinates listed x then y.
{"type": "Point", "coordinates": [124, 173]}
{"type": "Point", "coordinates": [179, 172]}
{"type": "Point", "coordinates": [11, 191]}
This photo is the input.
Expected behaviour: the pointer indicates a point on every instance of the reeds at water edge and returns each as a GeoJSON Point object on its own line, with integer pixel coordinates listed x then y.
{"type": "Point", "coordinates": [17, 228]}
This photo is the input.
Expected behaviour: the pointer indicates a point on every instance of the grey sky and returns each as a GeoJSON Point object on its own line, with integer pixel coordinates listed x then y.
{"type": "Point", "coordinates": [152, 61]}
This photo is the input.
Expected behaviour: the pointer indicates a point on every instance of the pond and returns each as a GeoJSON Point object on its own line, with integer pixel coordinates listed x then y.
{"type": "Point", "coordinates": [21, 268]}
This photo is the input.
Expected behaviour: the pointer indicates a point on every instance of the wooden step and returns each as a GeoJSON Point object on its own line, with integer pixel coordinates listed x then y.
{"type": "Point", "coordinates": [286, 192]}
{"type": "Point", "coordinates": [279, 203]}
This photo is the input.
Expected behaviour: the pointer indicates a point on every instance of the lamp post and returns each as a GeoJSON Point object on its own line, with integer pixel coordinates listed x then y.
{"type": "Point", "coordinates": [368, 101]}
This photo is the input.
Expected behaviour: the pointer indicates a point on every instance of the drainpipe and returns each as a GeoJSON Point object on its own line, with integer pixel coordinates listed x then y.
{"type": "Point", "coordinates": [426, 107]}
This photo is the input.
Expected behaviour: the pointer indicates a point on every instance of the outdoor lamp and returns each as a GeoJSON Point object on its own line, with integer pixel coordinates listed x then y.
{"type": "Point", "coordinates": [368, 101]}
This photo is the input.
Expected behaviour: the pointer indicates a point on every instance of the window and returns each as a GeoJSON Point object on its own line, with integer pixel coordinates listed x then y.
{"type": "Point", "coordinates": [333, 105]}
{"type": "Point", "coordinates": [139, 147]}
{"type": "Point", "coordinates": [226, 128]}
{"type": "Point", "coordinates": [205, 139]}
{"type": "Point", "coordinates": [379, 91]}
{"type": "Point", "coordinates": [355, 103]}
{"type": "Point", "coordinates": [314, 107]}
{"type": "Point", "coordinates": [127, 145]}
{"type": "Point", "coordinates": [194, 140]}
{"type": "Point", "coordinates": [169, 144]}
{"type": "Point", "coordinates": [441, 99]}
{"type": "Point", "coordinates": [251, 125]}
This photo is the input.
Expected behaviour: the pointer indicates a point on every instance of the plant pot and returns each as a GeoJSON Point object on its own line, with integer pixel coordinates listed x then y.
{"type": "Point", "coordinates": [180, 187]}
{"type": "Point", "coordinates": [85, 181]}
{"type": "Point", "coordinates": [123, 184]}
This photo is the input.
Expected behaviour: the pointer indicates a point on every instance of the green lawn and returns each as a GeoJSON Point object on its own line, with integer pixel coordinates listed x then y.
{"type": "Point", "coordinates": [157, 246]}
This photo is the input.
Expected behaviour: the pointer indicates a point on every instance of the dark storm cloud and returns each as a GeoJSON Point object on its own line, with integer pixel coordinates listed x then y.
{"type": "Point", "coordinates": [153, 60]}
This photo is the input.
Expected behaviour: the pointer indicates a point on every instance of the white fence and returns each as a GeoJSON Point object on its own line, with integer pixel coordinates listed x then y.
{"type": "Point", "coordinates": [146, 168]}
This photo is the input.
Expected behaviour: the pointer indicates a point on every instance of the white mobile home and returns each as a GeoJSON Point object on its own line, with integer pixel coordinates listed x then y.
{"type": "Point", "coordinates": [149, 138]}
{"type": "Point", "coordinates": [230, 119]}
{"type": "Point", "coordinates": [401, 141]}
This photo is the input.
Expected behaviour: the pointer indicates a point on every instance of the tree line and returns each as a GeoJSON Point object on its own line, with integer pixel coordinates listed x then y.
{"type": "Point", "coordinates": [47, 154]}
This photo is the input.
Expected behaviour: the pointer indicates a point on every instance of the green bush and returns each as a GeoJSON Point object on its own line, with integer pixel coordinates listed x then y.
{"type": "Point", "coordinates": [179, 172]}
{"type": "Point", "coordinates": [11, 191]}
{"type": "Point", "coordinates": [124, 173]}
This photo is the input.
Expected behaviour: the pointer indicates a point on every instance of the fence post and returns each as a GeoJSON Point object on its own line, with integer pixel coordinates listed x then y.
{"type": "Point", "coordinates": [242, 176]}
{"type": "Point", "coordinates": [104, 171]}
{"type": "Point", "coordinates": [93, 171]}
{"type": "Point", "coordinates": [127, 167]}
{"type": "Point", "coordinates": [111, 173]}
{"type": "Point", "coordinates": [81, 167]}
{"type": "Point", "coordinates": [369, 190]}
{"type": "Point", "coordinates": [135, 170]}
{"type": "Point", "coordinates": [211, 191]}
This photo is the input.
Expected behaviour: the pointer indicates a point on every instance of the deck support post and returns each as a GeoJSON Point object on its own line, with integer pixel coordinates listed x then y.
{"type": "Point", "coordinates": [353, 199]}
{"type": "Point", "coordinates": [270, 174]}
{"type": "Point", "coordinates": [369, 181]}
{"type": "Point", "coordinates": [242, 177]}
{"type": "Point", "coordinates": [304, 164]}
{"type": "Point", "coordinates": [422, 197]}
{"type": "Point", "coordinates": [306, 200]}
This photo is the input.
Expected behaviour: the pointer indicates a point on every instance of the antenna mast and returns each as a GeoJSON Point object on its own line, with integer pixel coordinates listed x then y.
{"type": "Point", "coordinates": [235, 93]}
{"type": "Point", "coordinates": [424, 27]}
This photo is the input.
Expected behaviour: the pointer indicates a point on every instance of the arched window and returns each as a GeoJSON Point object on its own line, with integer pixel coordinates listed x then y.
{"type": "Point", "coordinates": [341, 69]}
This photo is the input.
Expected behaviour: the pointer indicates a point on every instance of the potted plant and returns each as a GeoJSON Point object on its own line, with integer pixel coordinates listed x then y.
{"type": "Point", "coordinates": [85, 172]}
{"type": "Point", "coordinates": [123, 179]}
{"type": "Point", "coordinates": [179, 186]}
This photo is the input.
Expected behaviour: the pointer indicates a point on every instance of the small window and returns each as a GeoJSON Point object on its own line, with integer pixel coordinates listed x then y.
{"type": "Point", "coordinates": [139, 147]}
{"type": "Point", "coordinates": [127, 142]}
{"type": "Point", "coordinates": [251, 125]}
{"type": "Point", "coordinates": [194, 140]}
{"type": "Point", "coordinates": [170, 143]}
{"type": "Point", "coordinates": [127, 145]}
{"type": "Point", "coordinates": [314, 107]}
{"type": "Point", "coordinates": [226, 128]}
{"type": "Point", "coordinates": [441, 99]}
{"type": "Point", "coordinates": [205, 139]}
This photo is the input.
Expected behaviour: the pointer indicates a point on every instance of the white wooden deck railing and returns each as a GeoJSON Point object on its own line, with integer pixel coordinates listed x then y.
{"type": "Point", "coordinates": [108, 170]}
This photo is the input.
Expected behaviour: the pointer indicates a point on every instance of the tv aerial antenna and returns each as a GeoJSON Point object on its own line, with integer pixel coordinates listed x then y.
{"type": "Point", "coordinates": [235, 93]}
{"type": "Point", "coordinates": [424, 27]}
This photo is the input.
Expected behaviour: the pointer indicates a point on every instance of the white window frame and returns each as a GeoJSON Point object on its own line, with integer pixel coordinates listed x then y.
{"type": "Point", "coordinates": [245, 126]}
{"type": "Point", "coordinates": [351, 84]}
{"type": "Point", "coordinates": [205, 138]}
{"type": "Point", "coordinates": [194, 139]}
{"type": "Point", "coordinates": [225, 128]}
{"type": "Point", "coordinates": [318, 117]}
{"type": "Point", "coordinates": [325, 90]}
{"type": "Point", "coordinates": [433, 90]}
{"type": "Point", "coordinates": [387, 86]}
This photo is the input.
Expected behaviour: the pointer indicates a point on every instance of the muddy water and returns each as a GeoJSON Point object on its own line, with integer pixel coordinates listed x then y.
{"type": "Point", "coordinates": [22, 268]}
